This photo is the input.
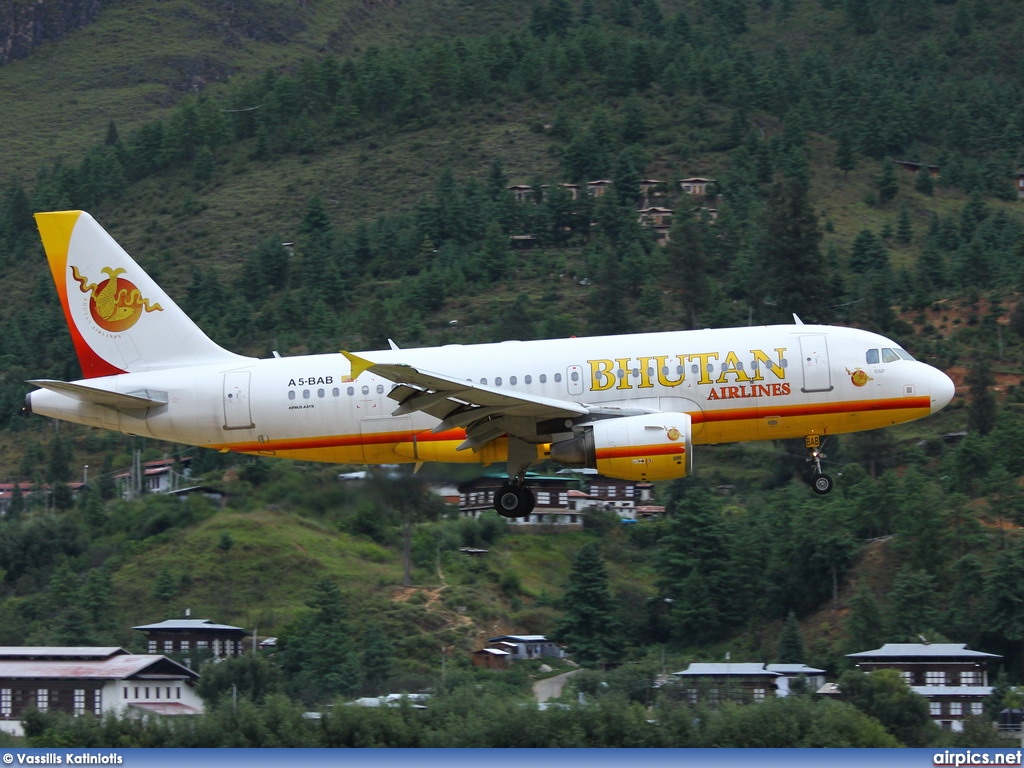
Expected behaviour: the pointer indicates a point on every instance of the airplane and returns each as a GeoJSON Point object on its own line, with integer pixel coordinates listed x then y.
{"type": "Point", "coordinates": [630, 406]}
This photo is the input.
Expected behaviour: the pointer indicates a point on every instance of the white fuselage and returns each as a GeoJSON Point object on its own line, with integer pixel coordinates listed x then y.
{"type": "Point", "coordinates": [738, 384]}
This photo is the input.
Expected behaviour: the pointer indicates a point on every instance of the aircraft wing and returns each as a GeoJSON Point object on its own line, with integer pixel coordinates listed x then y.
{"type": "Point", "coordinates": [485, 412]}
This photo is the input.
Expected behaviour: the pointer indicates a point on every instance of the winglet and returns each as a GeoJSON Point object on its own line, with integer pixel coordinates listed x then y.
{"type": "Point", "coordinates": [359, 364]}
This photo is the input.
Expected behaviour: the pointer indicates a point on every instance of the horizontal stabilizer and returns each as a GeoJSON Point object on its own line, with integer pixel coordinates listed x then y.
{"type": "Point", "coordinates": [143, 398]}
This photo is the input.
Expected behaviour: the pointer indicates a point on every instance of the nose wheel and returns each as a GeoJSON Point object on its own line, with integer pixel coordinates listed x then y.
{"type": "Point", "coordinates": [820, 482]}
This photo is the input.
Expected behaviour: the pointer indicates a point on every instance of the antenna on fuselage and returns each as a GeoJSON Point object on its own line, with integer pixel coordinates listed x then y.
{"type": "Point", "coordinates": [797, 320]}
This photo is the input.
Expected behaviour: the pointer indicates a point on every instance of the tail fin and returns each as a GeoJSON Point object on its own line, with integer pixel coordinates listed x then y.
{"type": "Point", "coordinates": [120, 320]}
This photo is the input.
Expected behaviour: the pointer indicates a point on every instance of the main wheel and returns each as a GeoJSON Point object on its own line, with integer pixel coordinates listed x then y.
{"type": "Point", "coordinates": [821, 484]}
{"type": "Point", "coordinates": [514, 501]}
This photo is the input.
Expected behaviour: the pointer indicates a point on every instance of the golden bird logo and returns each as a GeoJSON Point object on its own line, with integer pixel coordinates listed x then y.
{"type": "Point", "coordinates": [115, 304]}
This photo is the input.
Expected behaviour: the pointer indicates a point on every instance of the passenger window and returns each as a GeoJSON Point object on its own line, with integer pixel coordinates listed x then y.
{"type": "Point", "coordinates": [543, 378]}
{"type": "Point", "coordinates": [497, 381]}
{"type": "Point", "coordinates": [528, 379]}
{"type": "Point", "coordinates": [888, 356]}
{"type": "Point", "coordinates": [291, 394]}
{"type": "Point", "coordinates": [558, 377]}
{"type": "Point", "coordinates": [350, 391]}
{"type": "Point", "coordinates": [483, 381]}
{"type": "Point", "coordinates": [320, 393]}
{"type": "Point", "coordinates": [305, 394]}
{"type": "Point", "coordinates": [380, 389]}
{"type": "Point", "coordinates": [872, 357]}
{"type": "Point", "coordinates": [366, 390]}
{"type": "Point", "coordinates": [512, 380]}
{"type": "Point", "coordinates": [575, 376]}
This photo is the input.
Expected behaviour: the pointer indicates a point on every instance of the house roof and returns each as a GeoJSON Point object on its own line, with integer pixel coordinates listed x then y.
{"type": "Point", "coordinates": [57, 652]}
{"type": "Point", "coordinates": [187, 625]}
{"type": "Point", "coordinates": [121, 667]}
{"type": "Point", "coordinates": [920, 650]}
{"type": "Point", "coordinates": [794, 669]}
{"type": "Point", "coordinates": [742, 669]}
{"type": "Point", "coordinates": [519, 639]}
{"type": "Point", "coordinates": [493, 652]}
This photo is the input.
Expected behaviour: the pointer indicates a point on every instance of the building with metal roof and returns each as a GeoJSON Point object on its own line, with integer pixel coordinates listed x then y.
{"type": "Point", "coordinates": [83, 680]}
{"type": "Point", "coordinates": [193, 636]}
{"type": "Point", "coordinates": [953, 678]}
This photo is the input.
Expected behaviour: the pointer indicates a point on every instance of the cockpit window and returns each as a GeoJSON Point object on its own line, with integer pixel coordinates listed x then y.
{"type": "Point", "coordinates": [872, 357]}
{"type": "Point", "coordinates": [904, 354]}
{"type": "Point", "coordinates": [888, 356]}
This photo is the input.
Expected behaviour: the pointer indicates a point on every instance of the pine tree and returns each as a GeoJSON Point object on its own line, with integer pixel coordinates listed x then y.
{"type": "Point", "coordinates": [791, 645]}
{"type": "Point", "coordinates": [588, 626]}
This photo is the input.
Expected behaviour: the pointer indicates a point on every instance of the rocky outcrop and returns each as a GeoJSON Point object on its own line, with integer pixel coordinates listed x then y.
{"type": "Point", "coordinates": [25, 24]}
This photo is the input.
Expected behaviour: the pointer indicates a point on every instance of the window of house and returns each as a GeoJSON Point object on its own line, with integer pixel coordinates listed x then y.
{"type": "Point", "coordinates": [151, 646]}
{"type": "Point", "coordinates": [907, 676]}
{"type": "Point", "coordinates": [935, 708]}
{"type": "Point", "coordinates": [977, 708]}
{"type": "Point", "coordinates": [970, 677]}
{"type": "Point", "coordinates": [42, 699]}
{"type": "Point", "coordinates": [956, 708]}
{"type": "Point", "coordinates": [168, 646]}
{"type": "Point", "coordinates": [97, 702]}
{"type": "Point", "coordinates": [79, 704]}
{"type": "Point", "coordinates": [759, 694]}
{"type": "Point", "coordinates": [935, 677]}
{"type": "Point", "coordinates": [5, 702]}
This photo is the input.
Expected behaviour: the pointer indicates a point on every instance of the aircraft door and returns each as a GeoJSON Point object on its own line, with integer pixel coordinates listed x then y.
{"type": "Point", "coordinates": [237, 414]}
{"type": "Point", "coordinates": [814, 358]}
{"type": "Point", "coordinates": [574, 379]}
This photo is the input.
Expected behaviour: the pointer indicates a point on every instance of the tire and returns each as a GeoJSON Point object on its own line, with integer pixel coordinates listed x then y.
{"type": "Point", "coordinates": [821, 484]}
{"type": "Point", "coordinates": [514, 501]}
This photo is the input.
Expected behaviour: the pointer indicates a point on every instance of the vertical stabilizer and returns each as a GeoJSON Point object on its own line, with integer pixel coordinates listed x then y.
{"type": "Point", "coordinates": [120, 320]}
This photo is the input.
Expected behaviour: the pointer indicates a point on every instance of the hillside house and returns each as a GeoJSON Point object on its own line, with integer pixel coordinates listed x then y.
{"type": "Point", "coordinates": [696, 185]}
{"type": "Point", "coordinates": [659, 220]}
{"type": "Point", "coordinates": [490, 658]}
{"type": "Point", "coordinates": [561, 502]}
{"type": "Point", "coordinates": [952, 678]}
{"type": "Point", "coordinates": [521, 647]}
{"type": "Point", "coordinates": [188, 635]}
{"type": "Point", "coordinates": [92, 681]}
{"type": "Point", "coordinates": [714, 683]}
{"type": "Point", "coordinates": [156, 476]}
{"type": "Point", "coordinates": [552, 494]}
{"type": "Point", "coordinates": [599, 187]}
{"type": "Point", "coordinates": [1019, 177]}
{"type": "Point", "coordinates": [31, 494]}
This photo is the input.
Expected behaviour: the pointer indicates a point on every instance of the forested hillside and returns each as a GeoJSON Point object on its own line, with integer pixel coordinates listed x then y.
{"type": "Point", "coordinates": [341, 177]}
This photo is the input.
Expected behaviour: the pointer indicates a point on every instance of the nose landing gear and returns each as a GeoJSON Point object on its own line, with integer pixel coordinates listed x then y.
{"type": "Point", "coordinates": [820, 482]}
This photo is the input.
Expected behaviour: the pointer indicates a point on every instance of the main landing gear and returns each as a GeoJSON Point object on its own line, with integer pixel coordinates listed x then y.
{"type": "Point", "coordinates": [514, 498]}
{"type": "Point", "coordinates": [820, 482]}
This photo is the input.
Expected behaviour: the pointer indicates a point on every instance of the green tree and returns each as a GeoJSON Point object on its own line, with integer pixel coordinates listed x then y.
{"type": "Point", "coordinates": [791, 644]}
{"type": "Point", "coordinates": [588, 626]}
{"type": "Point", "coordinates": [887, 184]}
{"type": "Point", "coordinates": [981, 402]}
{"type": "Point", "coordinates": [883, 695]}
{"type": "Point", "coordinates": [316, 652]}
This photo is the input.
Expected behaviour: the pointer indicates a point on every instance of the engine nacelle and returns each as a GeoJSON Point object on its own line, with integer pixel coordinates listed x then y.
{"type": "Point", "coordinates": [655, 446]}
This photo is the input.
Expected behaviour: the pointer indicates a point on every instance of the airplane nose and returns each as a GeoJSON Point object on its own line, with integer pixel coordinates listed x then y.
{"type": "Point", "coordinates": [942, 390]}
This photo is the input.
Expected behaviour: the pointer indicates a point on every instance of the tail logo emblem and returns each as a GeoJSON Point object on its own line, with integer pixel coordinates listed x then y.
{"type": "Point", "coordinates": [115, 303]}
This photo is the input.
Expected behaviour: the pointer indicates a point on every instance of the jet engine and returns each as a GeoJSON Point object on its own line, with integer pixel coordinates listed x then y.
{"type": "Point", "coordinates": [652, 446]}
